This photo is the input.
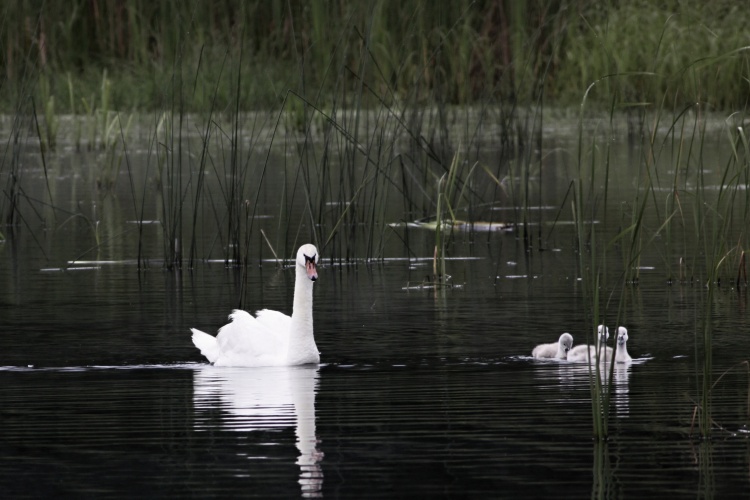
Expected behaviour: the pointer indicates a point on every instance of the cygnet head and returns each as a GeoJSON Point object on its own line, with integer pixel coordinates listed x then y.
{"type": "Point", "coordinates": [622, 336]}
{"type": "Point", "coordinates": [603, 333]}
{"type": "Point", "coordinates": [307, 258]}
{"type": "Point", "coordinates": [566, 342]}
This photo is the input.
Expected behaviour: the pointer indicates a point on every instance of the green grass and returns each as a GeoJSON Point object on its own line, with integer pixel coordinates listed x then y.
{"type": "Point", "coordinates": [413, 51]}
{"type": "Point", "coordinates": [692, 209]}
{"type": "Point", "coordinates": [361, 78]}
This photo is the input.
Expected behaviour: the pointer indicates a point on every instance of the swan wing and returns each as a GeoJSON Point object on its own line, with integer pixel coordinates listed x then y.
{"type": "Point", "coordinates": [274, 320]}
{"type": "Point", "coordinates": [545, 351]}
{"type": "Point", "coordinates": [248, 341]}
{"type": "Point", "coordinates": [582, 352]}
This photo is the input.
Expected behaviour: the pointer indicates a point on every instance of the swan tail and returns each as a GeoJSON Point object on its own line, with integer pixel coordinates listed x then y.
{"type": "Point", "coordinates": [207, 344]}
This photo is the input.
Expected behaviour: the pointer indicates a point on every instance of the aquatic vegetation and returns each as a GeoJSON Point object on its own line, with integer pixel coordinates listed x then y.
{"type": "Point", "coordinates": [446, 190]}
{"type": "Point", "coordinates": [458, 225]}
{"type": "Point", "coordinates": [702, 414]}
{"type": "Point", "coordinates": [463, 53]}
{"type": "Point", "coordinates": [48, 139]}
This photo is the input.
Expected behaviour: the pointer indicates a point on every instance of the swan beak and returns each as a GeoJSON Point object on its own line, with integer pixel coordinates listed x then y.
{"type": "Point", "coordinates": [312, 271]}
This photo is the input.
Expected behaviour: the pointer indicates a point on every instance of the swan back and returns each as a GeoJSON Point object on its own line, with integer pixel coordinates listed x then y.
{"type": "Point", "coordinates": [584, 352]}
{"type": "Point", "coordinates": [248, 340]}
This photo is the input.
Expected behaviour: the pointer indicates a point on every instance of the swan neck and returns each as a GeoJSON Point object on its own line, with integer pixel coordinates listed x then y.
{"type": "Point", "coordinates": [302, 306]}
{"type": "Point", "coordinates": [301, 348]}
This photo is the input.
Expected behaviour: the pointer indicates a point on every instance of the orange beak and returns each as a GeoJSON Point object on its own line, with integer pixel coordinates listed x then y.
{"type": "Point", "coordinates": [312, 271]}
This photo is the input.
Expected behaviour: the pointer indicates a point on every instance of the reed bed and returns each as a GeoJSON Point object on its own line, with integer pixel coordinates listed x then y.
{"type": "Point", "coordinates": [462, 53]}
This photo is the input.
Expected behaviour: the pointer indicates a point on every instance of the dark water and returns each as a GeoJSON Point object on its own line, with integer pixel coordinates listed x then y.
{"type": "Point", "coordinates": [421, 392]}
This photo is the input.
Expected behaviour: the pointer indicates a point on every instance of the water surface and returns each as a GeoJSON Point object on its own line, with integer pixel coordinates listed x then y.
{"type": "Point", "coordinates": [419, 392]}
{"type": "Point", "coordinates": [422, 391]}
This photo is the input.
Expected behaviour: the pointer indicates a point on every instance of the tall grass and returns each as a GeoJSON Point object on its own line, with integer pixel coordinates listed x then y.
{"type": "Point", "coordinates": [460, 53]}
{"type": "Point", "coordinates": [377, 84]}
{"type": "Point", "coordinates": [715, 221]}
{"type": "Point", "coordinates": [716, 216]}
{"type": "Point", "coordinates": [690, 210]}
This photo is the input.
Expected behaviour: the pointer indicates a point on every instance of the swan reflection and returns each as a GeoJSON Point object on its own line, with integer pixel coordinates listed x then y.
{"type": "Point", "coordinates": [575, 377]}
{"type": "Point", "coordinates": [270, 398]}
{"type": "Point", "coordinates": [576, 374]}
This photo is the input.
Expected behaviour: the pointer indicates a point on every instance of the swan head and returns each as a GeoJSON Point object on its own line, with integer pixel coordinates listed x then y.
{"type": "Point", "coordinates": [622, 336]}
{"type": "Point", "coordinates": [307, 258]}
{"type": "Point", "coordinates": [566, 342]}
{"type": "Point", "coordinates": [603, 333]}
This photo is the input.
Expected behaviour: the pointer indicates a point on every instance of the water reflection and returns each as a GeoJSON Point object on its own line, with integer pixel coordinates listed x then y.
{"type": "Point", "coordinates": [603, 484]}
{"type": "Point", "coordinates": [703, 458]}
{"type": "Point", "coordinates": [574, 378]}
{"type": "Point", "coordinates": [258, 399]}
{"type": "Point", "coordinates": [620, 383]}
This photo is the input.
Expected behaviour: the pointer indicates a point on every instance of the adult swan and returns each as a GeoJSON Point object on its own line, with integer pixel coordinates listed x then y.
{"type": "Point", "coordinates": [271, 338]}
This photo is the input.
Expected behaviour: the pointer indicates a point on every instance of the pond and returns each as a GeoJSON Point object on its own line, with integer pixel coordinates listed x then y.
{"type": "Point", "coordinates": [424, 389]}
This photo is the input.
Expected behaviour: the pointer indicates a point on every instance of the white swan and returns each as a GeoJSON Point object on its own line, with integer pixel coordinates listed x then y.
{"type": "Point", "coordinates": [270, 338]}
{"type": "Point", "coordinates": [558, 350]}
{"type": "Point", "coordinates": [622, 356]}
{"type": "Point", "coordinates": [585, 352]}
